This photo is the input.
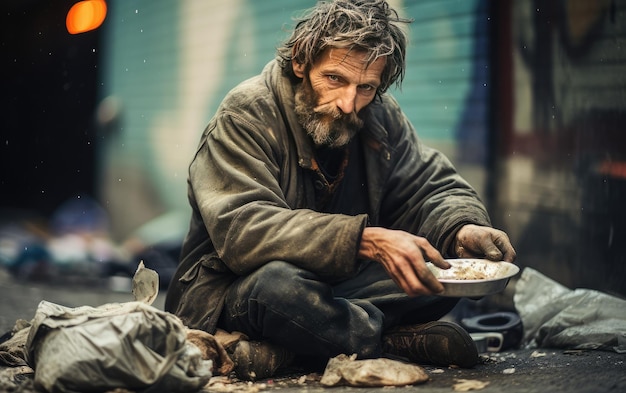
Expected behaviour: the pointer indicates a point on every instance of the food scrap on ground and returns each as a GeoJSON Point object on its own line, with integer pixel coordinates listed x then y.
{"type": "Point", "coordinates": [465, 385]}
{"type": "Point", "coordinates": [346, 370]}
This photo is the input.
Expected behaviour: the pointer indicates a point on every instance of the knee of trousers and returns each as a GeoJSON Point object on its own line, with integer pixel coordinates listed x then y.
{"type": "Point", "coordinates": [283, 280]}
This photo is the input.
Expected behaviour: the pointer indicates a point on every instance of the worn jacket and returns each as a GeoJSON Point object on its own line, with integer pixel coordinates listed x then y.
{"type": "Point", "coordinates": [251, 190]}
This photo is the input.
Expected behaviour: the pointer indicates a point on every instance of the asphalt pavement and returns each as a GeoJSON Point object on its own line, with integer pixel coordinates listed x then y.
{"type": "Point", "coordinates": [513, 371]}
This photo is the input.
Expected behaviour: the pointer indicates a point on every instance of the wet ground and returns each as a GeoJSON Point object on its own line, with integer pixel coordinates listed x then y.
{"type": "Point", "coordinates": [516, 371]}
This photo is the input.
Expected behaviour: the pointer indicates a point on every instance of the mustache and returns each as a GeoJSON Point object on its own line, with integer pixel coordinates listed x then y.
{"type": "Point", "coordinates": [336, 114]}
{"type": "Point", "coordinates": [328, 110]}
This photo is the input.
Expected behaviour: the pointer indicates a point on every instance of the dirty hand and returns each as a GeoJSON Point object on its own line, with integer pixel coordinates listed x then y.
{"type": "Point", "coordinates": [404, 257]}
{"type": "Point", "coordinates": [474, 241]}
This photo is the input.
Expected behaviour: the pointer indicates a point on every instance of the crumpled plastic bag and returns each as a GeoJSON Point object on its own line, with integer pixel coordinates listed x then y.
{"type": "Point", "coordinates": [12, 349]}
{"type": "Point", "coordinates": [557, 317]}
{"type": "Point", "coordinates": [120, 345]}
{"type": "Point", "coordinates": [346, 370]}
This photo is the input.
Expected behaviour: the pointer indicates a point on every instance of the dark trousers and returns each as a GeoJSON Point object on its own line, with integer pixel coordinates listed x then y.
{"type": "Point", "coordinates": [292, 307]}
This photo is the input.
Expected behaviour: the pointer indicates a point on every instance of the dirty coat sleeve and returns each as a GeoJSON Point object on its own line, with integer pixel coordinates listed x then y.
{"type": "Point", "coordinates": [238, 183]}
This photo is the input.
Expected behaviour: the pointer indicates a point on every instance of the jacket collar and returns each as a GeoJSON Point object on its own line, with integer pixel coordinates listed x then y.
{"type": "Point", "coordinates": [283, 88]}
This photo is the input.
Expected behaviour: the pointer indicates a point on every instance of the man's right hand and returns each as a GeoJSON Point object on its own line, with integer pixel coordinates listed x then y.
{"type": "Point", "coordinates": [404, 257]}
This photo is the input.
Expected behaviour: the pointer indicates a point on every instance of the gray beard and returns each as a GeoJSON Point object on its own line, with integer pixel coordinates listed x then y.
{"type": "Point", "coordinates": [327, 126]}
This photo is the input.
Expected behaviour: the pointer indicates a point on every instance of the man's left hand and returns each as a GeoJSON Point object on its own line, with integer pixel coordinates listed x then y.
{"type": "Point", "coordinates": [474, 241]}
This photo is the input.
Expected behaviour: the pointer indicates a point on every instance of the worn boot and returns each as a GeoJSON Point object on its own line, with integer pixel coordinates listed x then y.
{"type": "Point", "coordinates": [437, 343]}
{"type": "Point", "coordinates": [258, 360]}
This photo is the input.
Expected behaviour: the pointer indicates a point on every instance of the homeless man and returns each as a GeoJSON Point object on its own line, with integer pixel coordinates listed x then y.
{"type": "Point", "coordinates": [315, 208]}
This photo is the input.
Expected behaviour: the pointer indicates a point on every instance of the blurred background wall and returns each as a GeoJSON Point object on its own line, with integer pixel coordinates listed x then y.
{"type": "Point", "coordinates": [560, 174]}
{"type": "Point", "coordinates": [166, 67]}
{"type": "Point", "coordinates": [526, 97]}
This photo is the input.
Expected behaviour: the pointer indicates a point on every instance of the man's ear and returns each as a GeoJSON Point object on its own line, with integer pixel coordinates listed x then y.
{"type": "Point", "coordinates": [298, 69]}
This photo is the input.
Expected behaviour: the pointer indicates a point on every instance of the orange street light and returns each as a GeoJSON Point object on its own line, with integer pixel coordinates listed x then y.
{"type": "Point", "coordinates": [85, 16]}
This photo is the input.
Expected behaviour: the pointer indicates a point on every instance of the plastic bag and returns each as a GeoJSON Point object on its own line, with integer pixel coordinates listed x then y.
{"type": "Point", "coordinates": [557, 317]}
{"type": "Point", "coordinates": [123, 345]}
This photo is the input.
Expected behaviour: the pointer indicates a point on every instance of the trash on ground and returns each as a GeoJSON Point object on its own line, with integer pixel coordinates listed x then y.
{"type": "Point", "coordinates": [346, 370]}
{"type": "Point", "coordinates": [145, 284]}
{"type": "Point", "coordinates": [211, 349]}
{"type": "Point", "coordinates": [465, 385]}
{"type": "Point", "coordinates": [554, 316]}
{"type": "Point", "coordinates": [223, 384]}
{"type": "Point", "coordinates": [130, 345]}
{"type": "Point", "coordinates": [12, 345]}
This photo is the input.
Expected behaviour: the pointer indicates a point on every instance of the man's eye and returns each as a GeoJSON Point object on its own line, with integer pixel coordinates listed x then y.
{"type": "Point", "coordinates": [333, 78]}
{"type": "Point", "coordinates": [367, 89]}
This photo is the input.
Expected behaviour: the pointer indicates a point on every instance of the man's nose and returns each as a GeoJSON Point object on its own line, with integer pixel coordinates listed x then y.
{"type": "Point", "coordinates": [347, 100]}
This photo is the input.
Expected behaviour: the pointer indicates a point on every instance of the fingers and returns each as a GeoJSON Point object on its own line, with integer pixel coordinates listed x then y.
{"type": "Point", "coordinates": [428, 279]}
{"type": "Point", "coordinates": [492, 252]}
{"type": "Point", "coordinates": [503, 243]}
{"type": "Point", "coordinates": [434, 256]}
{"type": "Point", "coordinates": [424, 278]}
{"type": "Point", "coordinates": [478, 241]}
{"type": "Point", "coordinates": [410, 278]}
{"type": "Point", "coordinates": [498, 246]}
{"type": "Point", "coordinates": [404, 257]}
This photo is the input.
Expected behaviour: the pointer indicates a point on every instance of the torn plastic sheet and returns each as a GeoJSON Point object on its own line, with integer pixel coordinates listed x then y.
{"type": "Point", "coordinates": [120, 345]}
{"type": "Point", "coordinates": [557, 317]}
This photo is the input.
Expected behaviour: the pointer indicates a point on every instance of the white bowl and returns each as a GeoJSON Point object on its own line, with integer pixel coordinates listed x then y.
{"type": "Point", "coordinates": [474, 277]}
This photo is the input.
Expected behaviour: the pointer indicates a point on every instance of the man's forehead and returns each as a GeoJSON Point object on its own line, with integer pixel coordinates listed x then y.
{"type": "Point", "coordinates": [342, 55]}
{"type": "Point", "coordinates": [352, 60]}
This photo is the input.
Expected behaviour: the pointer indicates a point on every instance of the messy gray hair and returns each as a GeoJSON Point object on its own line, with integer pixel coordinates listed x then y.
{"type": "Point", "coordinates": [368, 25]}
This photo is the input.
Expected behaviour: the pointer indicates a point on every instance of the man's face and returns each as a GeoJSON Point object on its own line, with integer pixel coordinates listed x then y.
{"type": "Point", "coordinates": [333, 92]}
